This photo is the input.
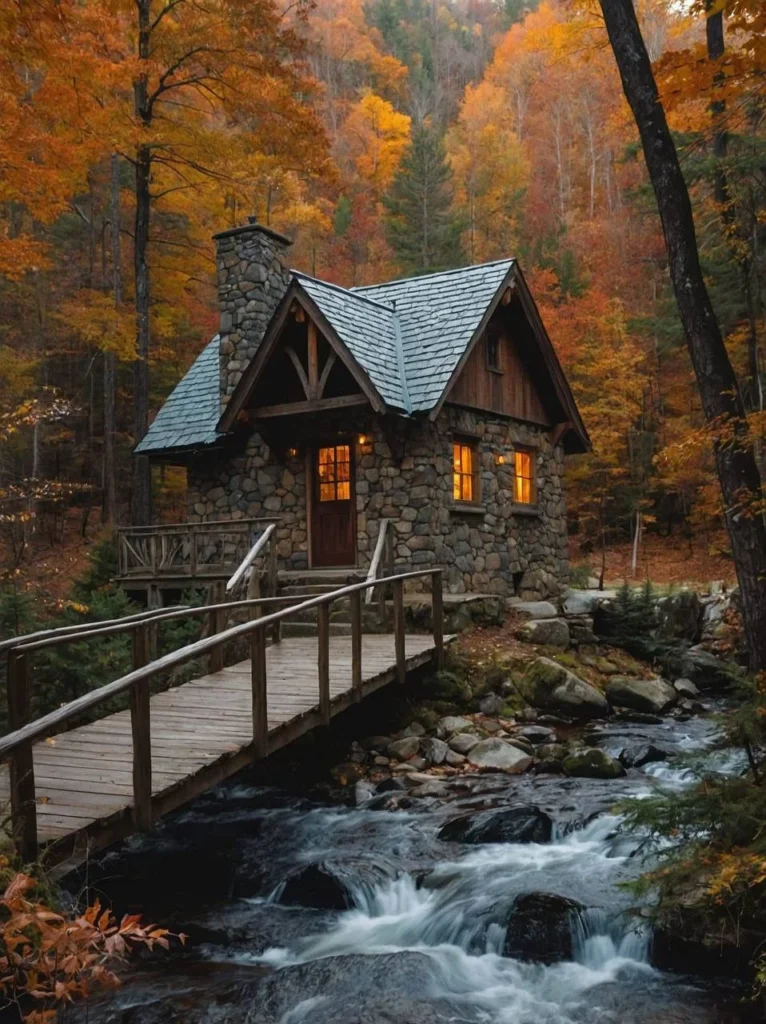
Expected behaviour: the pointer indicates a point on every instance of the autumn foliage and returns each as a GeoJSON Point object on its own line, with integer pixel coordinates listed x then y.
{"type": "Point", "coordinates": [49, 959]}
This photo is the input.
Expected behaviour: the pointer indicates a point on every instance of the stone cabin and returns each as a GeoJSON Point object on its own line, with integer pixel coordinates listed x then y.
{"type": "Point", "coordinates": [435, 402]}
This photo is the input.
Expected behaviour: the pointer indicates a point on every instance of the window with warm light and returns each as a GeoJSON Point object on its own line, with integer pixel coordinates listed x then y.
{"type": "Point", "coordinates": [524, 478]}
{"type": "Point", "coordinates": [463, 472]}
{"type": "Point", "coordinates": [334, 467]}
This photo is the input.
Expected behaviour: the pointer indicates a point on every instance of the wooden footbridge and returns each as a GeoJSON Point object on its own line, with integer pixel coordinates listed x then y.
{"type": "Point", "coordinates": [75, 788]}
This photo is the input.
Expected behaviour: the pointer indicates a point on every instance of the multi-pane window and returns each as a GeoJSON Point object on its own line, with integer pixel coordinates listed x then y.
{"type": "Point", "coordinates": [524, 478]}
{"type": "Point", "coordinates": [463, 472]}
{"type": "Point", "coordinates": [335, 473]}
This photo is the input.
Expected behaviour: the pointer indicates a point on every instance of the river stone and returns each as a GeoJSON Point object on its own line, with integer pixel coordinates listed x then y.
{"type": "Point", "coordinates": [464, 742]}
{"type": "Point", "coordinates": [492, 704]}
{"type": "Point", "coordinates": [502, 756]}
{"type": "Point", "coordinates": [433, 750]}
{"type": "Point", "coordinates": [363, 791]}
{"type": "Point", "coordinates": [551, 632]}
{"type": "Point", "coordinates": [540, 928]}
{"type": "Point", "coordinates": [522, 744]}
{"type": "Point", "coordinates": [453, 759]}
{"type": "Point", "coordinates": [537, 734]}
{"type": "Point", "coordinates": [317, 886]}
{"type": "Point", "coordinates": [686, 688]}
{"type": "Point", "coordinates": [413, 729]}
{"type": "Point", "coordinates": [549, 685]}
{"type": "Point", "coordinates": [534, 609]}
{"type": "Point", "coordinates": [448, 726]}
{"type": "Point", "coordinates": [707, 671]}
{"type": "Point", "coordinates": [515, 825]}
{"type": "Point", "coordinates": [592, 763]}
{"type": "Point", "coordinates": [392, 785]}
{"type": "Point", "coordinates": [404, 748]}
{"type": "Point", "coordinates": [651, 695]}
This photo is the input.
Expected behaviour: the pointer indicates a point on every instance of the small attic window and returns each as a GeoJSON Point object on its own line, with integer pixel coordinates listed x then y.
{"type": "Point", "coordinates": [492, 348]}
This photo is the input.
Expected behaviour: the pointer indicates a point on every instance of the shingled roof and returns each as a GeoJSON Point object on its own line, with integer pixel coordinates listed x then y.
{"type": "Point", "coordinates": [408, 336]}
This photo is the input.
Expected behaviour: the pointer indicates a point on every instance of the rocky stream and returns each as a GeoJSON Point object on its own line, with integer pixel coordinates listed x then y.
{"type": "Point", "coordinates": [450, 892]}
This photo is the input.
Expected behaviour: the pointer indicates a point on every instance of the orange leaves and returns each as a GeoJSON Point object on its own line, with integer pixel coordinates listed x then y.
{"type": "Point", "coordinates": [376, 136]}
{"type": "Point", "coordinates": [52, 959]}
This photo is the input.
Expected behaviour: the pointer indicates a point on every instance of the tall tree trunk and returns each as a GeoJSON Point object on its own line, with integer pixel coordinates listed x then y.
{"type": "Point", "coordinates": [142, 485]}
{"type": "Point", "coordinates": [109, 471]}
{"type": "Point", "coordinates": [721, 400]}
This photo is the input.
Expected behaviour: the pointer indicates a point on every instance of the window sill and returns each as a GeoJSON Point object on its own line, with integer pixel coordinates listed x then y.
{"type": "Point", "coordinates": [468, 508]}
{"type": "Point", "coordinates": [525, 510]}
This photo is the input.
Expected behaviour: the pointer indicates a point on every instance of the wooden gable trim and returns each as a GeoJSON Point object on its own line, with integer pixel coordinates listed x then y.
{"type": "Point", "coordinates": [250, 377]}
{"type": "Point", "coordinates": [499, 296]}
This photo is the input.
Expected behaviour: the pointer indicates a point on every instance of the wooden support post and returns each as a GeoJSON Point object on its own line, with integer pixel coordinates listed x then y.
{"type": "Point", "coordinates": [437, 614]}
{"type": "Point", "coordinates": [142, 741]}
{"type": "Point", "coordinates": [398, 588]}
{"type": "Point", "coordinates": [356, 644]}
{"type": "Point", "coordinates": [382, 611]}
{"type": "Point", "coordinates": [260, 695]}
{"type": "Point", "coordinates": [323, 662]}
{"type": "Point", "coordinates": [216, 623]}
{"type": "Point", "coordinates": [273, 565]}
{"type": "Point", "coordinates": [22, 769]}
{"type": "Point", "coordinates": [313, 359]}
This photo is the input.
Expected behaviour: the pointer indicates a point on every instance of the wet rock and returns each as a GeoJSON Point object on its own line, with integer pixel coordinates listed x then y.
{"type": "Point", "coordinates": [650, 695]}
{"type": "Point", "coordinates": [434, 787]}
{"type": "Point", "coordinates": [522, 744]}
{"type": "Point", "coordinates": [540, 928]}
{"type": "Point", "coordinates": [418, 763]}
{"type": "Point", "coordinates": [453, 759]}
{"type": "Point", "coordinates": [392, 785]}
{"type": "Point", "coordinates": [491, 726]}
{"type": "Point", "coordinates": [537, 734]}
{"type": "Point", "coordinates": [551, 632]}
{"type": "Point", "coordinates": [549, 685]}
{"type": "Point", "coordinates": [319, 886]}
{"type": "Point", "coordinates": [552, 751]}
{"type": "Point", "coordinates": [450, 725]}
{"type": "Point", "coordinates": [434, 751]}
{"type": "Point", "coordinates": [363, 791]}
{"type": "Point", "coordinates": [637, 757]}
{"type": "Point", "coordinates": [706, 671]}
{"type": "Point", "coordinates": [686, 688]}
{"type": "Point", "coordinates": [592, 763]}
{"type": "Point", "coordinates": [413, 729]}
{"type": "Point", "coordinates": [492, 704]}
{"type": "Point", "coordinates": [464, 742]}
{"type": "Point", "coordinates": [404, 748]}
{"type": "Point", "coordinates": [502, 756]}
{"type": "Point", "coordinates": [515, 825]}
{"type": "Point", "coordinates": [638, 718]}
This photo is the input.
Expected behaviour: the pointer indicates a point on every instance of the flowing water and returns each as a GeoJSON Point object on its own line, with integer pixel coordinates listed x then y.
{"type": "Point", "coordinates": [423, 939]}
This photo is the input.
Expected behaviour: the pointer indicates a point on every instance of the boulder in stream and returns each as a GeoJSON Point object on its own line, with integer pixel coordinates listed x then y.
{"type": "Point", "coordinates": [650, 695]}
{"type": "Point", "coordinates": [550, 686]}
{"type": "Point", "coordinates": [433, 750]}
{"type": "Point", "coordinates": [318, 886]}
{"type": "Point", "coordinates": [464, 742]}
{"type": "Point", "coordinates": [499, 755]}
{"type": "Point", "coordinates": [592, 763]}
{"type": "Point", "coordinates": [540, 928]}
{"type": "Point", "coordinates": [515, 825]}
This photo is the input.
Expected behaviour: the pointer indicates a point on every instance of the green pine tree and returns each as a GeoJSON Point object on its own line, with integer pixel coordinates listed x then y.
{"type": "Point", "coordinates": [420, 225]}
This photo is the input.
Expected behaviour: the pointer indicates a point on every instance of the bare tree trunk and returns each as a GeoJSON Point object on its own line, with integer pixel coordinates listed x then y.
{"type": "Point", "coordinates": [142, 484]}
{"type": "Point", "coordinates": [109, 472]}
{"type": "Point", "coordinates": [721, 400]}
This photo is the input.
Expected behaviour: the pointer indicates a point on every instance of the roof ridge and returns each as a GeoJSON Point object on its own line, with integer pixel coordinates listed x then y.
{"type": "Point", "coordinates": [340, 288]}
{"type": "Point", "coordinates": [437, 273]}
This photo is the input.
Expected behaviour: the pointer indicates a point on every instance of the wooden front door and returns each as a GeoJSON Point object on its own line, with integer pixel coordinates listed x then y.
{"type": "Point", "coordinates": [333, 520]}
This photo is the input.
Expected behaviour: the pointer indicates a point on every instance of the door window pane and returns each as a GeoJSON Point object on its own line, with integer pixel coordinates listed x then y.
{"type": "Point", "coordinates": [334, 472]}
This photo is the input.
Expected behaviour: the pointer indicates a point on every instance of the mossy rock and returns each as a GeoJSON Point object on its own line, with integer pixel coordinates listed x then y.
{"type": "Point", "coordinates": [592, 763]}
{"type": "Point", "coordinates": [550, 686]}
{"type": "Point", "coordinates": [449, 686]}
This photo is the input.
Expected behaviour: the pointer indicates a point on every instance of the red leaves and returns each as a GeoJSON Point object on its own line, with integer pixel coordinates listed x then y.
{"type": "Point", "coordinates": [53, 959]}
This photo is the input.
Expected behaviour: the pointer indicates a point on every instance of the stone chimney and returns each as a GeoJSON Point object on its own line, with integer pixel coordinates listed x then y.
{"type": "Point", "coordinates": [252, 278]}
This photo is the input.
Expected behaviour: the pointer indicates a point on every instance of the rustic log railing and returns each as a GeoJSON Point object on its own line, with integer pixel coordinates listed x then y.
{"type": "Point", "coordinates": [17, 747]}
{"type": "Point", "coordinates": [250, 558]}
{"type": "Point", "coordinates": [203, 550]}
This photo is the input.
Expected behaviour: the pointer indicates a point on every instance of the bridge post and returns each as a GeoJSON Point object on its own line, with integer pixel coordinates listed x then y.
{"type": "Point", "coordinates": [216, 624]}
{"type": "Point", "coordinates": [401, 669]}
{"type": "Point", "coordinates": [142, 741]}
{"type": "Point", "coordinates": [22, 769]}
{"type": "Point", "coordinates": [323, 660]}
{"type": "Point", "coordinates": [437, 614]}
{"type": "Point", "coordinates": [356, 644]}
{"type": "Point", "coordinates": [260, 694]}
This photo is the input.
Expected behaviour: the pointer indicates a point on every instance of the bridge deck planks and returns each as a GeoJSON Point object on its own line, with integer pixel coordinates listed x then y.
{"type": "Point", "coordinates": [201, 733]}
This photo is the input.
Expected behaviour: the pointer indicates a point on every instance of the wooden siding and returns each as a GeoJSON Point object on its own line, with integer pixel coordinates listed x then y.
{"type": "Point", "coordinates": [511, 392]}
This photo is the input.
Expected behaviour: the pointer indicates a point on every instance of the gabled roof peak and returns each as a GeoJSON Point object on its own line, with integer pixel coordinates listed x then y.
{"type": "Point", "coordinates": [436, 273]}
{"type": "Point", "coordinates": [299, 274]}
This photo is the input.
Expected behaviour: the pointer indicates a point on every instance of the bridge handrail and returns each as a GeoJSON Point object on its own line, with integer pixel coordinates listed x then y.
{"type": "Point", "coordinates": [18, 744]}
{"type": "Point", "coordinates": [250, 557]}
{"type": "Point", "coordinates": [82, 629]}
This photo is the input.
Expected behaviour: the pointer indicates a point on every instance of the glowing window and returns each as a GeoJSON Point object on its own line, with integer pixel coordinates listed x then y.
{"type": "Point", "coordinates": [523, 478]}
{"type": "Point", "coordinates": [334, 470]}
{"type": "Point", "coordinates": [463, 472]}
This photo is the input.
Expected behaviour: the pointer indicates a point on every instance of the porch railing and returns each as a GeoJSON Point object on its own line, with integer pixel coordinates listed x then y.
{"type": "Point", "coordinates": [208, 550]}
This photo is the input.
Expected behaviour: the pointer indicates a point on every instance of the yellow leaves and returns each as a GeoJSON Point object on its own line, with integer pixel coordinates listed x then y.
{"type": "Point", "coordinates": [92, 316]}
{"type": "Point", "coordinates": [376, 136]}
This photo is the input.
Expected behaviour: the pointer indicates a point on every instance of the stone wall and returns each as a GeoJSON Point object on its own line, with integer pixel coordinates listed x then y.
{"type": "Point", "coordinates": [404, 474]}
{"type": "Point", "coordinates": [252, 278]}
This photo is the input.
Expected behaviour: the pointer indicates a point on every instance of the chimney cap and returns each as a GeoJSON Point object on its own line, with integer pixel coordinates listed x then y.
{"type": "Point", "coordinates": [253, 227]}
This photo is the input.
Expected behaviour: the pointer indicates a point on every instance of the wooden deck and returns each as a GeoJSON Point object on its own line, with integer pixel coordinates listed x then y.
{"type": "Point", "coordinates": [201, 733]}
